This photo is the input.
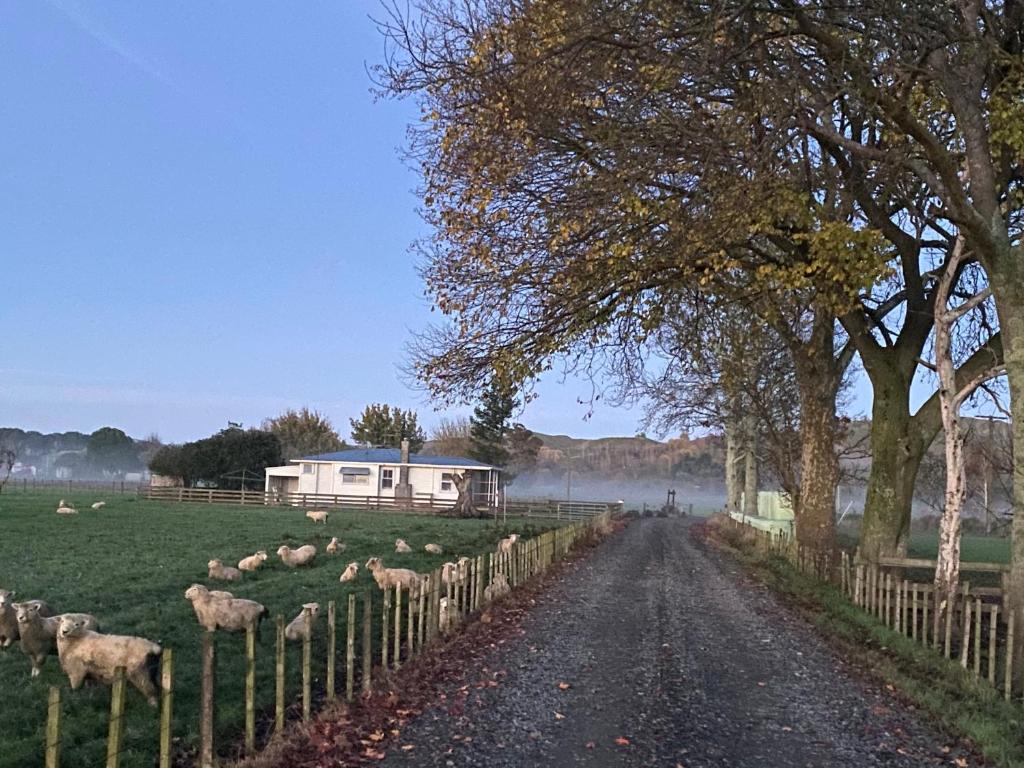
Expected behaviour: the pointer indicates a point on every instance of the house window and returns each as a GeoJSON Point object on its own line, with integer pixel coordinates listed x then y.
{"type": "Point", "coordinates": [308, 469]}
{"type": "Point", "coordinates": [387, 478]}
{"type": "Point", "coordinates": [351, 479]}
{"type": "Point", "coordinates": [446, 482]}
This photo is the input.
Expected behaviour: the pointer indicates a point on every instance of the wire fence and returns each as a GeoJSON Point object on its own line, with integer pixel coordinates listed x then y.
{"type": "Point", "coordinates": [380, 631]}
{"type": "Point", "coordinates": [973, 627]}
{"type": "Point", "coordinates": [31, 484]}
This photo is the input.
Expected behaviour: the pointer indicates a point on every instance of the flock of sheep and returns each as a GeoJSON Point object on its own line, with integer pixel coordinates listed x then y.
{"type": "Point", "coordinates": [86, 653]}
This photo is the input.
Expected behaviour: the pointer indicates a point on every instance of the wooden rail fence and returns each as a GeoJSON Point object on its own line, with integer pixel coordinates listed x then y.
{"type": "Point", "coordinates": [421, 503]}
{"type": "Point", "coordinates": [974, 628]}
{"type": "Point", "coordinates": [391, 637]}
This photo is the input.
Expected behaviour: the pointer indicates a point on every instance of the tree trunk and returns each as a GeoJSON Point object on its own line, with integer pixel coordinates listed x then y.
{"type": "Point", "coordinates": [897, 447]}
{"type": "Point", "coordinates": [732, 457]}
{"type": "Point", "coordinates": [750, 474]}
{"type": "Point", "coordinates": [819, 467]}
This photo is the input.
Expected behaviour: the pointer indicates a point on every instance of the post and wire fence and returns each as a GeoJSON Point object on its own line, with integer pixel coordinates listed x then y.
{"type": "Point", "coordinates": [384, 629]}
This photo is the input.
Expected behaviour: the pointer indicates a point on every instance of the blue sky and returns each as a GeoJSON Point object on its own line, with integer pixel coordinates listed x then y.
{"type": "Point", "coordinates": [204, 216]}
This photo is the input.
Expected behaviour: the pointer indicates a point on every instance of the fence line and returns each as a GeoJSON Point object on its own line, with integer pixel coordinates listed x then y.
{"type": "Point", "coordinates": [26, 484]}
{"type": "Point", "coordinates": [957, 628]}
{"type": "Point", "coordinates": [422, 503]}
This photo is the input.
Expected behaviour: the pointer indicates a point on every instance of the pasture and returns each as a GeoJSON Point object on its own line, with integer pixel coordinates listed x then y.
{"type": "Point", "coordinates": [130, 563]}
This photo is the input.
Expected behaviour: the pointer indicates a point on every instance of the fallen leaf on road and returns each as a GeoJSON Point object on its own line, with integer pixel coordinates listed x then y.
{"type": "Point", "coordinates": [559, 716]}
{"type": "Point", "coordinates": [407, 747]}
{"type": "Point", "coordinates": [622, 741]}
{"type": "Point", "coordinates": [589, 745]}
{"type": "Point", "coordinates": [761, 683]}
{"type": "Point", "coordinates": [564, 686]}
{"type": "Point", "coordinates": [960, 762]}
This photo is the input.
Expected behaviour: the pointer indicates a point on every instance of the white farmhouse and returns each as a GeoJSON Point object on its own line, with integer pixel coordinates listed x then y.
{"type": "Point", "coordinates": [388, 473]}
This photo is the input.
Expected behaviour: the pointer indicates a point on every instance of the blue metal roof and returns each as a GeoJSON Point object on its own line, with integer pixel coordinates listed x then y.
{"type": "Point", "coordinates": [394, 456]}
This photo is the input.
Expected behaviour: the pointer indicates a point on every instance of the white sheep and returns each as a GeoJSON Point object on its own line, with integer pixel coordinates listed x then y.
{"type": "Point", "coordinates": [335, 546]}
{"type": "Point", "coordinates": [392, 577]}
{"type": "Point", "coordinates": [99, 505]}
{"type": "Point", "coordinates": [434, 549]}
{"type": "Point", "coordinates": [302, 626]}
{"type": "Point", "coordinates": [38, 633]}
{"type": "Point", "coordinates": [448, 573]}
{"type": "Point", "coordinates": [317, 516]}
{"type": "Point", "coordinates": [498, 588]}
{"type": "Point", "coordinates": [65, 509]}
{"type": "Point", "coordinates": [217, 570]}
{"type": "Point", "coordinates": [252, 562]}
{"type": "Point", "coordinates": [401, 547]}
{"type": "Point", "coordinates": [462, 569]}
{"type": "Point", "coordinates": [294, 558]}
{"type": "Point", "coordinates": [350, 572]}
{"type": "Point", "coordinates": [505, 545]}
{"type": "Point", "coordinates": [85, 653]}
{"type": "Point", "coordinates": [231, 614]}
{"type": "Point", "coordinates": [221, 594]}
{"type": "Point", "coordinates": [444, 616]}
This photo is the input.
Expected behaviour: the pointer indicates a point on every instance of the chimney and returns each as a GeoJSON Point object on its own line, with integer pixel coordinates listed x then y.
{"type": "Point", "coordinates": [405, 452]}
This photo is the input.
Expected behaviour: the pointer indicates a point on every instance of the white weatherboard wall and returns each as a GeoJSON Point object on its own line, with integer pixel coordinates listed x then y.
{"type": "Point", "coordinates": [326, 478]}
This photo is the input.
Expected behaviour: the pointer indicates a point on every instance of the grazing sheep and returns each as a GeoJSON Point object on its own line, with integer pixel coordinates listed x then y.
{"type": "Point", "coordinates": [294, 558]}
{"type": "Point", "coordinates": [505, 545]}
{"type": "Point", "coordinates": [434, 549]}
{"type": "Point", "coordinates": [392, 577]}
{"type": "Point", "coordinates": [317, 516]}
{"type": "Point", "coordinates": [350, 572]}
{"type": "Point", "coordinates": [221, 594]}
{"type": "Point", "coordinates": [448, 573]}
{"type": "Point", "coordinates": [300, 627]}
{"type": "Point", "coordinates": [217, 570]}
{"type": "Point", "coordinates": [8, 619]}
{"type": "Point", "coordinates": [66, 509]}
{"type": "Point", "coordinates": [38, 633]}
{"type": "Point", "coordinates": [444, 616]}
{"type": "Point", "coordinates": [86, 653]}
{"type": "Point", "coordinates": [99, 505]}
{"type": "Point", "coordinates": [253, 562]}
{"type": "Point", "coordinates": [335, 546]}
{"type": "Point", "coordinates": [401, 547]}
{"type": "Point", "coordinates": [498, 588]}
{"type": "Point", "coordinates": [231, 614]}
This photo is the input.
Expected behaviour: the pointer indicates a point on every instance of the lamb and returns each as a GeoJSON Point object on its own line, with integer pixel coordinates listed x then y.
{"type": "Point", "coordinates": [317, 516]}
{"type": "Point", "coordinates": [99, 505]}
{"type": "Point", "coordinates": [401, 547]}
{"type": "Point", "coordinates": [294, 558]}
{"type": "Point", "coordinates": [38, 633]}
{"type": "Point", "coordinates": [498, 588]}
{"type": "Point", "coordinates": [252, 562]}
{"type": "Point", "coordinates": [434, 549]}
{"type": "Point", "coordinates": [301, 627]}
{"type": "Point", "coordinates": [217, 570]}
{"type": "Point", "coordinates": [350, 572]}
{"type": "Point", "coordinates": [86, 653]}
{"type": "Point", "coordinates": [444, 616]}
{"type": "Point", "coordinates": [505, 545]}
{"type": "Point", "coordinates": [335, 546]}
{"type": "Point", "coordinates": [392, 577]}
{"type": "Point", "coordinates": [231, 614]}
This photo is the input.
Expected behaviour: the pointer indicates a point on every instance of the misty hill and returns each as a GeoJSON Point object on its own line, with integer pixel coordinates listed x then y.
{"type": "Point", "coordinates": [634, 457]}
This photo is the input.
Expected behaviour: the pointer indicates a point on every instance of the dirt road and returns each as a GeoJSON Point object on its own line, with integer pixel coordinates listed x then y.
{"type": "Point", "coordinates": [655, 651]}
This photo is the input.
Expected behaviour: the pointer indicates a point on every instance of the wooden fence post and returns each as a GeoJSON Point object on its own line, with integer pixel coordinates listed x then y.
{"type": "Point", "coordinates": [53, 728]}
{"type": "Point", "coordinates": [966, 646]}
{"type": "Point", "coordinates": [422, 619]}
{"type": "Point", "coordinates": [115, 736]}
{"type": "Point", "coordinates": [332, 640]}
{"type": "Point", "coordinates": [250, 689]}
{"type": "Point", "coordinates": [385, 625]}
{"type": "Point", "coordinates": [1008, 679]}
{"type": "Point", "coordinates": [368, 642]}
{"type": "Point", "coordinates": [166, 705]}
{"type": "Point", "coordinates": [350, 649]}
{"type": "Point", "coordinates": [397, 657]}
{"type": "Point", "coordinates": [977, 637]}
{"type": "Point", "coordinates": [279, 662]}
{"type": "Point", "coordinates": [307, 658]}
{"type": "Point", "coordinates": [410, 626]}
{"type": "Point", "coordinates": [993, 629]}
{"type": "Point", "coordinates": [206, 703]}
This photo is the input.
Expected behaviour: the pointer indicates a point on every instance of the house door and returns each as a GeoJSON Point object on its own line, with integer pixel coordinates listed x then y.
{"type": "Point", "coordinates": [325, 478]}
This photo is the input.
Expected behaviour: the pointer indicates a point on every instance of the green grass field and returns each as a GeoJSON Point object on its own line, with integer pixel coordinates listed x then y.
{"type": "Point", "coordinates": [130, 563]}
{"type": "Point", "coordinates": [973, 548]}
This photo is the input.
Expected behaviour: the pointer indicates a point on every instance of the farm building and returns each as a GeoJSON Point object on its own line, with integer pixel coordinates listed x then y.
{"type": "Point", "coordinates": [389, 473]}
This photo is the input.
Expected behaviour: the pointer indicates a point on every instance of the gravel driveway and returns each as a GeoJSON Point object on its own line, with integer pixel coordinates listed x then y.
{"type": "Point", "coordinates": [655, 651]}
